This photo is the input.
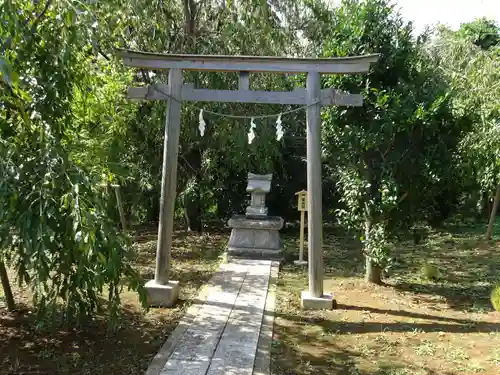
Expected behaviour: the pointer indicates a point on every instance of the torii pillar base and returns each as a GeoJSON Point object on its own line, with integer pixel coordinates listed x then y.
{"type": "Point", "coordinates": [162, 295]}
{"type": "Point", "coordinates": [325, 302]}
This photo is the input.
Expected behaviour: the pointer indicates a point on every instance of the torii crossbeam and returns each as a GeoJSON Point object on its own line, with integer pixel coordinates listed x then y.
{"type": "Point", "coordinates": [161, 290]}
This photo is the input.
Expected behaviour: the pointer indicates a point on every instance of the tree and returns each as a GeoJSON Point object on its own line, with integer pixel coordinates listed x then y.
{"type": "Point", "coordinates": [482, 32]}
{"type": "Point", "coordinates": [391, 158]}
{"type": "Point", "coordinates": [66, 127]}
{"type": "Point", "coordinates": [473, 74]}
{"type": "Point", "coordinates": [7, 290]}
{"type": "Point", "coordinates": [208, 166]}
{"type": "Point", "coordinates": [53, 225]}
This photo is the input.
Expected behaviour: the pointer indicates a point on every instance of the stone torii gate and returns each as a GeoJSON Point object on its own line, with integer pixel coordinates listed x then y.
{"type": "Point", "coordinates": [161, 290]}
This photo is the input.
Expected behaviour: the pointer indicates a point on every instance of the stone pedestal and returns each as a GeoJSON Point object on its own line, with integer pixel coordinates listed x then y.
{"type": "Point", "coordinates": [300, 262]}
{"type": "Point", "coordinates": [325, 302]}
{"type": "Point", "coordinates": [162, 295]}
{"type": "Point", "coordinates": [255, 237]}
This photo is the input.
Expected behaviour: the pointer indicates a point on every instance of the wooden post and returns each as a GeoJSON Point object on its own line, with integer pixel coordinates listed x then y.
{"type": "Point", "coordinates": [314, 298]}
{"type": "Point", "coordinates": [314, 188]}
{"type": "Point", "coordinates": [301, 249]}
{"type": "Point", "coordinates": [244, 82]}
{"type": "Point", "coordinates": [119, 203]}
{"type": "Point", "coordinates": [493, 215]}
{"type": "Point", "coordinates": [169, 177]}
{"type": "Point", "coordinates": [7, 290]}
{"type": "Point", "coordinates": [302, 207]}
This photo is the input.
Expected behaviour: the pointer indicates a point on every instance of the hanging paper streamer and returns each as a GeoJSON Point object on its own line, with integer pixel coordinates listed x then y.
{"type": "Point", "coordinates": [202, 124]}
{"type": "Point", "coordinates": [279, 128]}
{"type": "Point", "coordinates": [251, 133]}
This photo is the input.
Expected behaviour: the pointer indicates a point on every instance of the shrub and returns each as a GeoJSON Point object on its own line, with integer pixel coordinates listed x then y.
{"type": "Point", "coordinates": [429, 271]}
{"type": "Point", "coordinates": [495, 297]}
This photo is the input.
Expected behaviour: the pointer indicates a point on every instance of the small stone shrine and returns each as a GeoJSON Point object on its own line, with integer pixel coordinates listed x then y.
{"type": "Point", "coordinates": [256, 235]}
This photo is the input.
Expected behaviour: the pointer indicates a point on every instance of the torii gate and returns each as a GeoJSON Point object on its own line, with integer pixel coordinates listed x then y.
{"type": "Point", "coordinates": [161, 290]}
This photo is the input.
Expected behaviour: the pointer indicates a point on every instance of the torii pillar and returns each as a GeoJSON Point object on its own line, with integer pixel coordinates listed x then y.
{"type": "Point", "coordinates": [162, 290]}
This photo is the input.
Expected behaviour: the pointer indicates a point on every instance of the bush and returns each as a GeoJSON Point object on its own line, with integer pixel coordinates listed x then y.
{"type": "Point", "coordinates": [429, 271]}
{"type": "Point", "coordinates": [495, 297]}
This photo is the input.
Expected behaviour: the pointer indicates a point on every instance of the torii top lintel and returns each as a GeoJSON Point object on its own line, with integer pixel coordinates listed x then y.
{"type": "Point", "coordinates": [335, 65]}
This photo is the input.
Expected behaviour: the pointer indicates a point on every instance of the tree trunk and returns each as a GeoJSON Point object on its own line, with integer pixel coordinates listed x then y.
{"type": "Point", "coordinates": [9, 298]}
{"type": "Point", "coordinates": [373, 272]}
{"type": "Point", "coordinates": [493, 216]}
{"type": "Point", "coordinates": [192, 212]}
{"type": "Point", "coordinates": [192, 197]}
{"type": "Point", "coordinates": [485, 205]}
{"type": "Point", "coordinates": [190, 25]}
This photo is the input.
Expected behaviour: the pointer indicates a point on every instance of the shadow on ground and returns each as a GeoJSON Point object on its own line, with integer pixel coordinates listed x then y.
{"type": "Point", "coordinates": [467, 269]}
{"type": "Point", "coordinates": [409, 326]}
{"type": "Point", "coordinates": [26, 350]}
{"type": "Point", "coordinates": [95, 350]}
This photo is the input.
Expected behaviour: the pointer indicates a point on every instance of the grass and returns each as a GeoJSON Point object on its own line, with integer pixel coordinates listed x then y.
{"type": "Point", "coordinates": [412, 325]}
{"type": "Point", "coordinates": [24, 350]}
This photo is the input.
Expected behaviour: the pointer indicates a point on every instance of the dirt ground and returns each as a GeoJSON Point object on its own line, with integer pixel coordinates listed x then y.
{"type": "Point", "coordinates": [410, 326]}
{"type": "Point", "coordinates": [25, 350]}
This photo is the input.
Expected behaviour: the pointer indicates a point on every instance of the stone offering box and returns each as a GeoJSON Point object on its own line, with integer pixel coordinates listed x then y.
{"type": "Point", "coordinates": [256, 235]}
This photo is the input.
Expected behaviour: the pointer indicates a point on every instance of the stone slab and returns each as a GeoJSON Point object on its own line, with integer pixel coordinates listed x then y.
{"type": "Point", "coordinates": [197, 345]}
{"type": "Point", "coordinates": [161, 358]}
{"type": "Point", "coordinates": [267, 222]}
{"type": "Point", "coordinates": [256, 212]}
{"type": "Point", "coordinates": [218, 305]}
{"type": "Point", "coordinates": [162, 295]}
{"type": "Point", "coordinates": [262, 362]}
{"type": "Point", "coordinates": [300, 262]}
{"type": "Point", "coordinates": [252, 262]}
{"type": "Point", "coordinates": [222, 335]}
{"type": "Point", "coordinates": [238, 344]}
{"type": "Point", "coordinates": [233, 360]}
{"type": "Point", "coordinates": [185, 367]}
{"type": "Point", "coordinates": [249, 253]}
{"type": "Point", "coordinates": [261, 182]}
{"type": "Point", "coordinates": [325, 302]}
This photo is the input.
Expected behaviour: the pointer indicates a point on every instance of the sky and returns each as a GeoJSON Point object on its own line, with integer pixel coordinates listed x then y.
{"type": "Point", "coordinates": [450, 12]}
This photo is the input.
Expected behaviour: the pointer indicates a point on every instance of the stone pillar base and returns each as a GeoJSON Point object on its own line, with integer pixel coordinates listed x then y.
{"type": "Point", "coordinates": [162, 295]}
{"type": "Point", "coordinates": [300, 262]}
{"type": "Point", "coordinates": [255, 237]}
{"type": "Point", "coordinates": [325, 302]}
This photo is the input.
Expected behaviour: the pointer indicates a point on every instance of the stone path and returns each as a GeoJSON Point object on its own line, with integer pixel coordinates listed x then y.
{"type": "Point", "coordinates": [223, 336]}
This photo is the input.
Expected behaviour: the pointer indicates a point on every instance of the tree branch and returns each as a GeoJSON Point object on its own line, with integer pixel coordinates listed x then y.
{"type": "Point", "coordinates": [39, 17]}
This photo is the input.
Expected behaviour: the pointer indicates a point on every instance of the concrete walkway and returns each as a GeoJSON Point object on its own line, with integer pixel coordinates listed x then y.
{"type": "Point", "coordinates": [229, 333]}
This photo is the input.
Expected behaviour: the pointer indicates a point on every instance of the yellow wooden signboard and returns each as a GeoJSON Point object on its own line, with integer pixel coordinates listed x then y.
{"type": "Point", "coordinates": [302, 207]}
{"type": "Point", "coordinates": [302, 200]}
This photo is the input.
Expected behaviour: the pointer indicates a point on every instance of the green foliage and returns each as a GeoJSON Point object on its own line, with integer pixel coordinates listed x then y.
{"type": "Point", "coordinates": [426, 134]}
{"type": "Point", "coordinates": [377, 246]}
{"type": "Point", "coordinates": [473, 75]}
{"type": "Point", "coordinates": [61, 242]}
{"type": "Point", "coordinates": [102, 115]}
{"type": "Point", "coordinates": [495, 297]}
{"type": "Point", "coordinates": [222, 158]}
{"type": "Point", "coordinates": [429, 271]}
{"type": "Point", "coordinates": [393, 157]}
{"type": "Point", "coordinates": [53, 226]}
{"type": "Point", "coordinates": [483, 32]}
